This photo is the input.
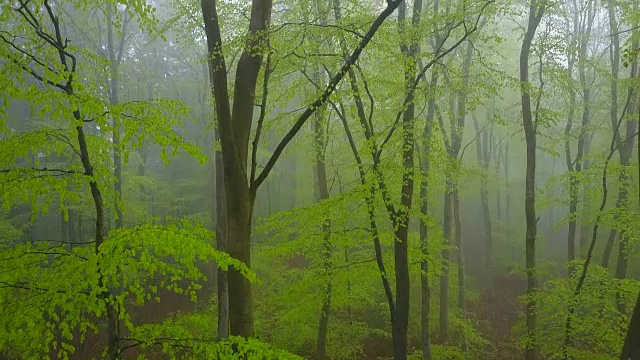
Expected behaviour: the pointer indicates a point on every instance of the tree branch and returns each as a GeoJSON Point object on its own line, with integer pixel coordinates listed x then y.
{"type": "Point", "coordinates": [331, 87]}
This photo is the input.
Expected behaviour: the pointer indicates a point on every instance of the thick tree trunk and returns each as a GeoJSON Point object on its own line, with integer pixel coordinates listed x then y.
{"type": "Point", "coordinates": [631, 347]}
{"type": "Point", "coordinates": [235, 127]}
{"type": "Point", "coordinates": [536, 12]}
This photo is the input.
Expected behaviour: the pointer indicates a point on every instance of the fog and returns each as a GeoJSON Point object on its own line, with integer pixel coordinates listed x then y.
{"type": "Point", "coordinates": [319, 179]}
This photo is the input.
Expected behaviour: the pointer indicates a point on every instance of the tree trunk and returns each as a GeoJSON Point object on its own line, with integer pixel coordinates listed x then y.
{"type": "Point", "coordinates": [444, 277]}
{"type": "Point", "coordinates": [114, 99]}
{"type": "Point", "coordinates": [323, 194]}
{"type": "Point", "coordinates": [482, 151]}
{"type": "Point", "coordinates": [606, 254]}
{"type": "Point", "coordinates": [220, 219]}
{"type": "Point", "coordinates": [425, 295]}
{"type": "Point", "coordinates": [400, 218]}
{"type": "Point", "coordinates": [221, 242]}
{"type": "Point", "coordinates": [625, 150]}
{"type": "Point", "coordinates": [64, 229]}
{"type": "Point", "coordinates": [234, 129]}
{"type": "Point", "coordinates": [573, 207]}
{"type": "Point", "coordinates": [507, 200]}
{"type": "Point", "coordinates": [584, 228]}
{"type": "Point", "coordinates": [462, 298]}
{"type": "Point", "coordinates": [631, 347]}
{"type": "Point", "coordinates": [498, 161]}
{"type": "Point", "coordinates": [536, 12]}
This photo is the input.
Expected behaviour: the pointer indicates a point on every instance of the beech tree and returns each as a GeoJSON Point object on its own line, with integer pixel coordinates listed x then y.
{"type": "Point", "coordinates": [241, 184]}
{"type": "Point", "coordinates": [536, 11]}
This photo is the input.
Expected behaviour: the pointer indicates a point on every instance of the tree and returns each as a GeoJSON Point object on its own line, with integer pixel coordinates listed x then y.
{"type": "Point", "coordinates": [235, 126]}
{"type": "Point", "coordinates": [583, 19]}
{"type": "Point", "coordinates": [631, 347]}
{"type": "Point", "coordinates": [536, 11]}
{"type": "Point", "coordinates": [60, 289]}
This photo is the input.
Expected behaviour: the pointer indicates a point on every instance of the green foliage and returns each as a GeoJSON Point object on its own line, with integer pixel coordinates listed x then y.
{"type": "Point", "coordinates": [189, 336]}
{"type": "Point", "coordinates": [60, 291]}
{"type": "Point", "coordinates": [597, 328]}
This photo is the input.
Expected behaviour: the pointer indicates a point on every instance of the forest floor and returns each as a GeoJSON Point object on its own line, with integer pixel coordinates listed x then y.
{"type": "Point", "coordinates": [496, 316]}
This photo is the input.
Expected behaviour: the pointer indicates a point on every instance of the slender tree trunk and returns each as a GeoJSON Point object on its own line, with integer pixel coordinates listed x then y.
{"type": "Point", "coordinates": [482, 151]}
{"type": "Point", "coordinates": [294, 181]}
{"type": "Point", "coordinates": [457, 120]}
{"type": "Point", "coordinates": [585, 35]}
{"type": "Point", "coordinates": [327, 251]}
{"type": "Point", "coordinates": [606, 254]}
{"type": "Point", "coordinates": [444, 277]}
{"type": "Point", "coordinates": [614, 57]}
{"type": "Point", "coordinates": [573, 196]}
{"type": "Point", "coordinates": [586, 206]}
{"type": "Point", "coordinates": [221, 242]}
{"type": "Point", "coordinates": [400, 218]}
{"type": "Point", "coordinates": [64, 229]}
{"type": "Point", "coordinates": [507, 202]}
{"type": "Point", "coordinates": [58, 41]}
{"type": "Point", "coordinates": [536, 11]}
{"type": "Point", "coordinates": [498, 162]}
{"type": "Point", "coordinates": [222, 280]}
{"type": "Point", "coordinates": [114, 99]}
{"type": "Point", "coordinates": [462, 298]}
{"type": "Point", "coordinates": [424, 230]}
{"type": "Point", "coordinates": [551, 213]}
{"type": "Point", "coordinates": [625, 150]}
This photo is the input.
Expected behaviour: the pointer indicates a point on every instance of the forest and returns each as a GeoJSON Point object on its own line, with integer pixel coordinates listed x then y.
{"type": "Point", "coordinates": [285, 179]}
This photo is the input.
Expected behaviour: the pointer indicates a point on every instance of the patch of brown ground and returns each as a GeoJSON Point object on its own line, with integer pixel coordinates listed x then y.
{"type": "Point", "coordinates": [496, 317]}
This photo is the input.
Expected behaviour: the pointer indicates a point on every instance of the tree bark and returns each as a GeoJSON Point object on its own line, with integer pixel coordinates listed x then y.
{"type": "Point", "coordinates": [425, 295]}
{"type": "Point", "coordinates": [115, 56]}
{"type": "Point", "coordinates": [482, 151]}
{"type": "Point", "coordinates": [625, 150]}
{"type": "Point", "coordinates": [235, 127]}
{"type": "Point", "coordinates": [327, 251]}
{"type": "Point", "coordinates": [498, 163]}
{"type": "Point", "coordinates": [606, 254]}
{"type": "Point", "coordinates": [462, 296]}
{"type": "Point", "coordinates": [444, 277]}
{"type": "Point", "coordinates": [536, 11]}
{"type": "Point", "coordinates": [631, 347]}
{"type": "Point", "coordinates": [400, 218]}
{"type": "Point", "coordinates": [221, 242]}
{"type": "Point", "coordinates": [582, 34]}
